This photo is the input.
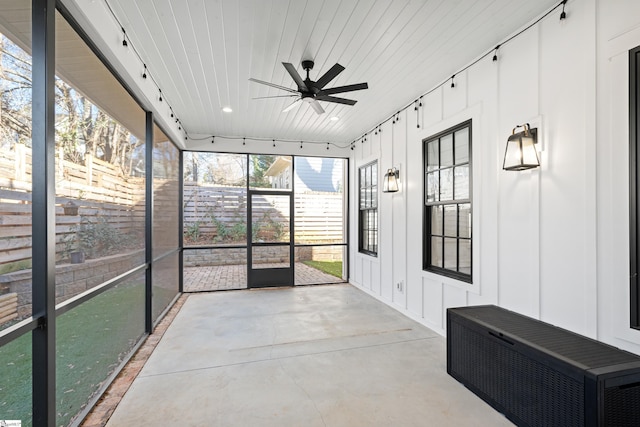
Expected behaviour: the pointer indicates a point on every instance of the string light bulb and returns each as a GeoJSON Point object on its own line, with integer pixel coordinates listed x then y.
{"type": "Point", "coordinates": [563, 15]}
{"type": "Point", "coordinates": [453, 84]}
{"type": "Point", "coordinates": [213, 139]}
{"type": "Point", "coordinates": [160, 95]}
{"type": "Point", "coordinates": [144, 73]}
{"type": "Point", "coordinates": [495, 53]}
{"type": "Point", "coordinates": [124, 37]}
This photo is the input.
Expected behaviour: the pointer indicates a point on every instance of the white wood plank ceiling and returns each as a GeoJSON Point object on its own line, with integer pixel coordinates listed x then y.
{"type": "Point", "coordinates": [203, 52]}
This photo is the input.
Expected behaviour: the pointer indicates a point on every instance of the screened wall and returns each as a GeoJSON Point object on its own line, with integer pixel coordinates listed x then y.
{"type": "Point", "coordinates": [219, 188]}
{"type": "Point", "coordinates": [86, 275]}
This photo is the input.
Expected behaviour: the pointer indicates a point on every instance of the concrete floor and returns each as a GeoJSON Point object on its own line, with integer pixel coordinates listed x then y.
{"type": "Point", "coordinates": [310, 356]}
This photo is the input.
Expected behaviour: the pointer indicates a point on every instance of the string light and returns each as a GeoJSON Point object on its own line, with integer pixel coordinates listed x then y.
{"type": "Point", "coordinates": [395, 117]}
{"type": "Point", "coordinates": [213, 139]}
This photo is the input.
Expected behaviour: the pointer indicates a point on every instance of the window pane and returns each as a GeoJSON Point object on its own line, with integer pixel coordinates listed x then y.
{"type": "Point", "coordinates": [166, 191]}
{"type": "Point", "coordinates": [374, 197]}
{"type": "Point", "coordinates": [367, 176]}
{"type": "Point", "coordinates": [432, 155]}
{"type": "Point", "coordinates": [446, 151]}
{"type": "Point", "coordinates": [437, 220]}
{"type": "Point", "coordinates": [433, 187]}
{"type": "Point", "coordinates": [319, 200]}
{"type": "Point", "coordinates": [446, 184]}
{"type": "Point", "coordinates": [465, 256]}
{"type": "Point", "coordinates": [451, 220]}
{"type": "Point", "coordinates": [464, 220]}
{"type": "Point", "coordinates": [270, 257]}
{"type": "Point", "coordinates": [436, 251]}
{"type": "Point", "coordinates": [15, 380]}
{"type": "Point", "coordinates": [461, 182]}
{"type": "Point", "coordinates": [215, 269]}
{"type": "Point", "coordinates": [91, 341]}
{"type": "Point", "coordinates": [270, 172]}
{"type": "Point", "coordinates": [100, 170]}
{"type": "Point", "coordinates": [215, 199]}
{"type": "Point", "coordinates": [320, 264]}
{"type": "Point", "coordinates": [165, 279]}
{"type": "Point", "coordinates": [374, 174]}
{"type": "Point", "coordinates": [462, 146]}
{"type": "Point", "coordinates": [16, 169]}
{"type": "Point", "coordinates": [270, 218]}
{"type": "Point", "coordinates": [450, 253]}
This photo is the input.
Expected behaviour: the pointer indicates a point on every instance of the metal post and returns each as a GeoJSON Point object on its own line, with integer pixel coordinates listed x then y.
{"type": "Point", "coordinates": [181, 220]}
{"type": "Point", "coordinates": [148, 221]}
{"type": "Point", "coordinates": [43, 212]}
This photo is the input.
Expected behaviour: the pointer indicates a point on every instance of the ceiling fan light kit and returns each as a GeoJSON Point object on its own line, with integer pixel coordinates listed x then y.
{"type": "Point", "coordinates": [311, 91]}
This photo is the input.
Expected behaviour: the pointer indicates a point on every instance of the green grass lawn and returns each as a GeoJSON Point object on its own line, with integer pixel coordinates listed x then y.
{"type": "Point", "coordinates": [91, 341]}
{"type": "Point", "coordinates": [333, 268]}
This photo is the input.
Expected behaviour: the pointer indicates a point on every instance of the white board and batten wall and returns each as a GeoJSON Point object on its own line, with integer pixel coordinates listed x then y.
{"type": "Point", "coordinates": [551, 243]}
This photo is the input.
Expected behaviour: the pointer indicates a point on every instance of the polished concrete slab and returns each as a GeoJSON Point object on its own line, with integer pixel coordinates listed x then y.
{"type": "Point", "coordinates": [306, 356]}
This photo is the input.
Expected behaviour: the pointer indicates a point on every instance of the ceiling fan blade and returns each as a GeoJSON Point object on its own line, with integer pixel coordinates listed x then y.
{"type": "Point", "coordinates": [316, 106]}
{"type": "Point", "coordinates": [341, 89]}
{"type": "Point", "coordinates": [275, 96]}
{"type": "Point", "coordinates": [295, 76]}
{"type": "Point", "coordinates": [291, 106]}
{"type": "Point", "coordinates": [328, 76]}
{"type": "Point", "coordinates": [335, 99]}
{"type": "Point", "coordinates": [273, 85]}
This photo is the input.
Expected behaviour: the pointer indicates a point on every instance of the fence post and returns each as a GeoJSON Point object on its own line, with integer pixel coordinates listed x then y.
{"type": "Point", "coordinates": [60, 169]}
{"type": "Point", "coordinates": [88, 162]}
{"type": "Point", "coordinates": [20, 160]}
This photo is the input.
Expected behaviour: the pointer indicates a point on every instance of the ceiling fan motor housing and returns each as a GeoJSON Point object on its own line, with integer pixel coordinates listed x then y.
{"type": "Point", "coordinates": [307, 64]}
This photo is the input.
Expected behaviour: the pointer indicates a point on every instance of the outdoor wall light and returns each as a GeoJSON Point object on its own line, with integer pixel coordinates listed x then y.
{"type": "Point", "coordinates": [521, 153]}
{"type": "Point", "coordinates": [391, 181]}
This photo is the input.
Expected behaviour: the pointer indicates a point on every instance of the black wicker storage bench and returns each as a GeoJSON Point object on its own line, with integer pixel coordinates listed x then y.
{"type": "Point", "coordinates": [537, 374]}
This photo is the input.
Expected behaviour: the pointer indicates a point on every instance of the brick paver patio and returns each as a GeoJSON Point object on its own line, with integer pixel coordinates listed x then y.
{"type": "Point", "coordinates": [226, 277]}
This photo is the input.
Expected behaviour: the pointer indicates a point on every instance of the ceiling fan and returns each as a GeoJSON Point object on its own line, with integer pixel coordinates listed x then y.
{"type": "Point", "coordinates": [313, 91]}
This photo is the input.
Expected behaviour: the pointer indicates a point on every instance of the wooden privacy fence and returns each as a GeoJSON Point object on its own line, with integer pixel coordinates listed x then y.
{"type": "Point", "coordinates": [98, 188]}
{"type": "Point", "coordinates": [318, 215]}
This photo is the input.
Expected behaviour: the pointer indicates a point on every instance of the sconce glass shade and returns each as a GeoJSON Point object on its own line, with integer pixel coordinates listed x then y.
{"type": "Point", "coordinates": [390, 182]}
{"type": "Point", "coordinates": [521, 151]}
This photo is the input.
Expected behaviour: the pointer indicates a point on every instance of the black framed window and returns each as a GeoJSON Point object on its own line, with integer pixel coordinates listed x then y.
{"type": "Point", "coordinates": [447, 203]}
{"type": "Point", "coordinates": [634, 188]}
{"type": "Point", "coordinates": [368, 209]}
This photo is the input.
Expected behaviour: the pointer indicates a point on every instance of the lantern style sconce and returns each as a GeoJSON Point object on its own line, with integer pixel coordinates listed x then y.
{"type": "Point", "coordinates": [521, 152]}
{"type": "Point", "coordinates": [391, 183]}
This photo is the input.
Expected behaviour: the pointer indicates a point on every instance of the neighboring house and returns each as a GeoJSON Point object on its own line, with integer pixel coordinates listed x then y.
{"type": "Point", "coordinates": [311, 174]}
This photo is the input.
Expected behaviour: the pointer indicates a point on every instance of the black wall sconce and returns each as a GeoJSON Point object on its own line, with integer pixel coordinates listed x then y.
{"type": "Point", "coordinates": [521, 153]}
{"type": "Point", "coordinates": [391, 183]}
